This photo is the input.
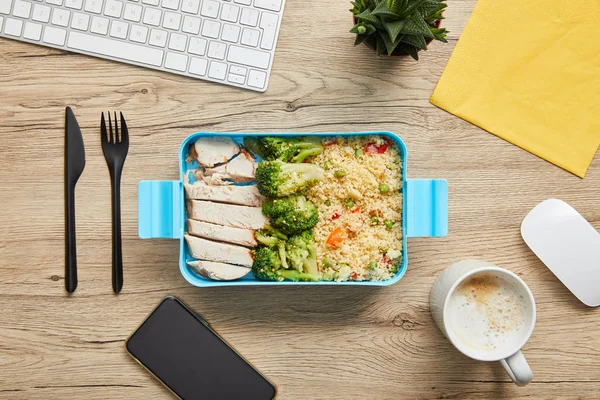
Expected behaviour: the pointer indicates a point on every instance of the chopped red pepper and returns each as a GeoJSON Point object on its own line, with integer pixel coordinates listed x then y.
{"type": "Point", "coordinates": [354, 276]}
{"type": "Point", "coordinates": [372, 148]}
{"type": "Point", "coordinates": [336, 215]}
{"type": "Point", "coordinates": [329, 142]}
{"type": "Point", "coordinates": [355, 210]}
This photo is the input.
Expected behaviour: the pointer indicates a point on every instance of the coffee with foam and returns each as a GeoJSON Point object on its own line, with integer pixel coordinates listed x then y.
{"type": "Point", "coordinates": [488, 313]}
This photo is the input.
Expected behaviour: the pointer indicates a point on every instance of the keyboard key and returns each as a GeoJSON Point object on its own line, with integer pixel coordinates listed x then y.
{"type": "Point", "coordinates": [22, 9]}
{"type": "Point", "coordinates": [5, 6]}
{"type": "Point", "coordinates": [138, 33]}
{"type": "Point", "coordinates": [190, 6]}
{"type": "Point", "coordinates": [249, 17]}
{"type": "Point", "coordinates": [257, 79]}
{"type": "Point", "coordinates": [74, 4]}
{"type": "Point", "coordinates": [99, 25]}
{"type": "Point", "coordinates": [231, 33]}
{"type": "Point", "coordinates": [13, 27]}
{"type": "Point", "coordinates": [272, 5]}
{"type": "Point", "coordinates": [217, 70]}
{"type": "Point", "coordinates": [133, 12]}
{"type": "Point", "coordinates": [236, 78]}
{"type": "Point", "coordinates": [176, 61]}
{"type": "Point", "coordinates": [217, 50]}
{"type": "Point", "coordinates": [198, 66]}
{"type": "Point", "coordinates": [55, 2]}
{"type": "Point", "coordinates": [250, 57]}
{"type": "Point", "coordinates": [197, 46]}
{"type": "Point", "coordinates": [268, 22]}
{"type": "Point", "coordinates": [110, 48]}
{"type": "Point", "coordinates": [211, 29]}
{"type": "Point", "coordinates": [230, 13]}
{"type": "Point", "coordinates": [41, 13]}
{"type": "Point", "coordinates": [80, 21]}
{"type": "Point", "coordinates": [158, 38]}
{"type": "Point", "coordinates": [250, 37]}
{"type": "Point", "coordinates": [244, 2]}
{"type": "Point", "coordinates": [1, 23]}
{"type": "Point", "coordinates": [119, 29]}
{"type": "Point", "coordinates": [54, 36]}
{"type": "Point", "coordinates": [93, 6]}
{"type": "Point", "coordinates": [191, 25]}
{"type": "Point", "coordinates": [151, 2]}
{"type": "Point", "coordinates": [171, 4]}
{"type": "Point", "coordinates": [152, 16]}
{"type": "Point", "coordinates": [60, 17]}
{"type": "Point", "coordinates": [177, 42]}
{"type": "Point", "coordinates": [32, 31]}
{"type": "Point", "coordinates": [234, 69]}
{"type": "Point", "coordinates": [113, 8]}
{"type": "Point", "coordinates": [210, 8]}
{"type": "Point", "coordinates": [172, 20]}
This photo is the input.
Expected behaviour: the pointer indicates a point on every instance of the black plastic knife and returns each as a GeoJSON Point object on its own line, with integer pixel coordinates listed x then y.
{"type": "Point", "coordinates": [74, 164]}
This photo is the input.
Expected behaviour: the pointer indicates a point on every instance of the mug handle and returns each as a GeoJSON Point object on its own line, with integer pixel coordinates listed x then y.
{"type": "Point", "coordinates": [517, 368]}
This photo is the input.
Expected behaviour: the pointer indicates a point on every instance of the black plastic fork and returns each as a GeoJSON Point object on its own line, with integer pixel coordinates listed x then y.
{"type": "Point", "coordinates": [115, 144]}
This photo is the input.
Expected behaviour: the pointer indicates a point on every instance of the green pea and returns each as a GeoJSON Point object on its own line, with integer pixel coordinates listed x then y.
{"type": "Point", "coordinates": [383, 188]}
{"type": "Point", "coordinates": [374, 220]}
{"type": "Point", "coordinates": [388, 224]}
{"type": "Point", "coordinates": [349, 203]}
{"type": "Point", "coordinates": [372, 265]}
{"type": "Point", "coordinates": [327, 262]}
{"type": "Point", "coordinates": [395, 268]}
{"type": "Point", "coordinates": [327, 165]}
{"type": "Point", "coordinates": [327, 202]}
{"type": "Point", "coordinates": [340, 173]}
{"type": "Point", "coordinates": [359, 153]}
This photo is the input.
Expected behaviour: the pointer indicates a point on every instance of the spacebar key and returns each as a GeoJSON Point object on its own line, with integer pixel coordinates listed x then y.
{"type": "Point", "coordinates": [253, 58]}
{"type": "Point", "coordinates": [113, 48]}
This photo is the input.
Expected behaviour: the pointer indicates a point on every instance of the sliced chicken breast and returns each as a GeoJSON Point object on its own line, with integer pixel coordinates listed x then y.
{"type": "Point", "coordinates": [244, 237]}
{"type": "Point", "coordinates": [218, 271]}
{"type": "Point", "coordinates": [240, 169]}
{"type": "Point", "coordinates": [242, 195]}
{"type": "Point", "coordinates": [219, 252]}
{"type": "Point", "coordinates": [226, 214]}
{"type": "Point", "coordinates": [214, 150]}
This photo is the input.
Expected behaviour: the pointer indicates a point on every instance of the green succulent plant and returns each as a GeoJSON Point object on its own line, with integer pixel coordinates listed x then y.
{"type": "Point", "coordinates": [389, 26]}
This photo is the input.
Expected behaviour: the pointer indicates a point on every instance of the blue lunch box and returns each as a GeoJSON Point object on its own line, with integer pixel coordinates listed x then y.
{"type": "Point", "coordinates": [162, 211]}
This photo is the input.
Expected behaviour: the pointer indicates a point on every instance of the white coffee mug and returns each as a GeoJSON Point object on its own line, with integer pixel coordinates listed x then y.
{"type": "Point", "coordinates": [509, 355]}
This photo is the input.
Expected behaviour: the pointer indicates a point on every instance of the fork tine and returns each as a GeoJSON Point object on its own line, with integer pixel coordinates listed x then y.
{"type": "Point", "coordinates": [117, 137]}
{"type": "Point", "coordinates": [110, 129]}
{"type": "Point", "coordinates": [124, 131]}
{"type": "Point", "coordinates": [103, 133]}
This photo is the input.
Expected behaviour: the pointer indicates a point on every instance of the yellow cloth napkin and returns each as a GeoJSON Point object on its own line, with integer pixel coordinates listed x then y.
{"type": "Point", "coordinates": [528, 71]}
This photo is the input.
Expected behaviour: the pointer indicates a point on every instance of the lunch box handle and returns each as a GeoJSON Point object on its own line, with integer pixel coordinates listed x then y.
{"type": "Point", "coordinates": [427, 207]}
{"type": "Point", "coordinates": [159, 209]}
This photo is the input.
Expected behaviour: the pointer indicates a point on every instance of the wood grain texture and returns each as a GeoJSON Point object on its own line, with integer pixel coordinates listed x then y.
{"type": "Point", "coordinates": [314, 343]}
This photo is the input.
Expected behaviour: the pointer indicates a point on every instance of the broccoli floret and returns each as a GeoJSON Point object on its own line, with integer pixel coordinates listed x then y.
{"type": "Point", "coordinates": [291, 215]}
{"type": "Point", "coordinates": [286, 149]}
{"type": "Point", "coordinates": [280, 179]}
{"type": "Point", "coordinates": [267, 266]}
{"type": "Point", "coordinates": [302, 252]}
{"type": "Point", "coordinates": [269, 236]}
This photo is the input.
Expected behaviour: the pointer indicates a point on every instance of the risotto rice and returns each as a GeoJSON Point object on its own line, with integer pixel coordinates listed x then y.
{"type": "Point", "coordinates": [359, 233]}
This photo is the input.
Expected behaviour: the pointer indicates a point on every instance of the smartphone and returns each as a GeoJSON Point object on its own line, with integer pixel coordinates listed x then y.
{"type": "Point", "coordinates": [180, 349]}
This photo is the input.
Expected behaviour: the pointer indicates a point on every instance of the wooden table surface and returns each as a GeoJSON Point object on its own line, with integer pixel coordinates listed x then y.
{"type": "Point", "coordinates": [312, 342]}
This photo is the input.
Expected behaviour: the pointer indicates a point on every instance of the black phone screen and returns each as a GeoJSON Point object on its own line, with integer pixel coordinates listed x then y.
{"type": "Point", "coordinates": [191, 359]}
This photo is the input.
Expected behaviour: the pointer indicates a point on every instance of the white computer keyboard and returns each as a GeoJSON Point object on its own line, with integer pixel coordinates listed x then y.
{"type": "Point", "coordinates": [225, 41]}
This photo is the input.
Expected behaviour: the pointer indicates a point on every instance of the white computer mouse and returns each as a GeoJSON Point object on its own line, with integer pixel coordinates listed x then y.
{"type": "Point", "coordinates": [568, 245]}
